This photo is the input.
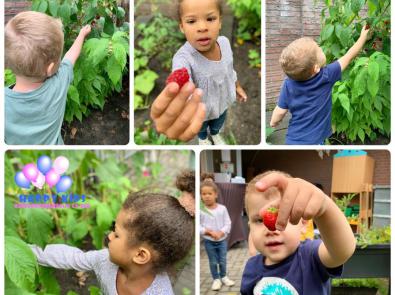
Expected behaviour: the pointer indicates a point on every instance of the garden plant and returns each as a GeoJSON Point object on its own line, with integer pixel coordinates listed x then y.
{"type": "Point", "coordinates": [104, 178]}
{"type": "Point", "coordinates": [103, 62]}
{"type": "Point", "coordinates": [361, 100]}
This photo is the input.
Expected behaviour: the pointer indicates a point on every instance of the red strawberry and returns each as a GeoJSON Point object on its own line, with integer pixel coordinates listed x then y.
{"type": "Point", "coordinates": [367, 26]}
{"type": "Point", "coordinates": [269, 217]}
{"type": "Point", "coordinates": [179, 76]}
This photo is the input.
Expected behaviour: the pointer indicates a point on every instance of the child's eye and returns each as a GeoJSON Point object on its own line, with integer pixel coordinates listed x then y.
{"type": "Point", "coordinates": [112, 228]}
{"type": "Point", "coordinates": [211, 19]}
{"type": "Point", "coordinates": [191, 21]}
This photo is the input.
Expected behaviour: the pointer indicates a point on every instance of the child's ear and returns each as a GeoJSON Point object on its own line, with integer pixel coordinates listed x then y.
{"type": "Point", "coordinates": [50, 69]}
{"type": "Point", "coordinates": [142, 256]}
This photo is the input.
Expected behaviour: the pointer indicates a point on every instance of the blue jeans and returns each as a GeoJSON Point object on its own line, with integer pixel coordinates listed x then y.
{"type": "Point", "coordinates": [214, 124]}
{"type": "Point", "coordinates": [216, 252]}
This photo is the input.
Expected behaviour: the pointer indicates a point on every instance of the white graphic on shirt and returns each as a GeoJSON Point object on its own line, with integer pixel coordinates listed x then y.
{"type": "Point", "coordinates": [274, 286]}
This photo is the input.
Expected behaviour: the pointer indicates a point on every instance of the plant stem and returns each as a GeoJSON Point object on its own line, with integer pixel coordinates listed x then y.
{"type": "Point", "coordinates": [56, 216]}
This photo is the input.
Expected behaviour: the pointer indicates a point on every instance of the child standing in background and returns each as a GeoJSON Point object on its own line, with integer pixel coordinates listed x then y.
{"type": "Point", "coordinates": [35, 105]}
{"type": "Point", "coordinates": [215, 227]}
{"type": "Point", "coordinates": [152, 232]}
{"type": "Point", "coordinates": [208, 59]}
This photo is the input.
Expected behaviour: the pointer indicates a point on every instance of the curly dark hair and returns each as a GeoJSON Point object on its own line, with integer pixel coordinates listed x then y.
{"type": "Point", "coordinates": [160, 221]}
{"type": "Point", "coordinates": [185, 181]}
{"type": "Point", "coordinates": [207, 176]}
{"type": "Point", "coordinates": [209, 183]}
{"type": "Point", "coordinates": [219, 6]}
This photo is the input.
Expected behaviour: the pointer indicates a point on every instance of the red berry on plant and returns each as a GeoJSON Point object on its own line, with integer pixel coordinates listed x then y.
{"type": "Point", "coordinates": [97, 16]}
{"type": "Point", "coordinates": [179, 76]}
{"type": "Point", "coordinates": [269, 217]}
{"type": "Point", "coordinates": [367, 27]}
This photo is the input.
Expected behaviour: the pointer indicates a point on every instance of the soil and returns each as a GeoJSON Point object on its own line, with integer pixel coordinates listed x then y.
{"type": "Point", "coordinates": [340, 139]}
{"type": "Point", "coordinates": [107, 127]}
{"type": "Point", "coordinates": [244, 119]}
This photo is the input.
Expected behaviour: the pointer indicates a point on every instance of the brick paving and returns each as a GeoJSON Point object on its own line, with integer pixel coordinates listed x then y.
{"type": "Point", "coordinates": [236, 260]}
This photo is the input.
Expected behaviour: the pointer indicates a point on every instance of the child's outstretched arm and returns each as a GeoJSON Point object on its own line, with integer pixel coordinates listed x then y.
{"type": "Point", "coordinates": [277, 116]}
{"type": "Point", "coordinates": [175, 114]}
{"type": "Point", "coordinates": [75, 49]}
{"type": "Point", "coordinates": [66, 257]}
{"type": "Point", "coordinates": [301, 199]}
{"type": "Point", "coordinates": [354, 50]}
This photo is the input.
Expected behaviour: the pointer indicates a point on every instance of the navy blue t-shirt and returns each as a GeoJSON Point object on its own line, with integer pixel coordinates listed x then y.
{"type": "Point", "coordinates": [301, 273]}
{"type": "Point", "coordinates": [310, 104]}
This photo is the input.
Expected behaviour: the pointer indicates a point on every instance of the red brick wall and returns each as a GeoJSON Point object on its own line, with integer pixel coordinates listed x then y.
{"type": "Point", "coordinates": [308, 165]}
{"type": "Point", "coordinates": [11, 8]}
{"type": "Point", "coordinates": [286, 20]}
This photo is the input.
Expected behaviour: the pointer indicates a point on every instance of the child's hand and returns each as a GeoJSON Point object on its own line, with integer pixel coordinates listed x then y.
{"type": "Point", "coordinates": [365, 33]}
{"type": "Point", "coordinates": [175, 114]}
{"type": "Point", "coordinates": [85, 31]}
{"type": "Point", "coordinates": [241, 95]}
{"type": "Point", "coordinates": [216, 235]}
{"type": "Point", "coordinates": [299, 198]}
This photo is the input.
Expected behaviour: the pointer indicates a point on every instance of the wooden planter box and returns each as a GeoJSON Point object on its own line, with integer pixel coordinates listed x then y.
{"type": "Point", "coordinates": [353, 291]}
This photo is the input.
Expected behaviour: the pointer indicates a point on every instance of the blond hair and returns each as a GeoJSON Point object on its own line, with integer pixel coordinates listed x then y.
{"type": "Point", "coordinates": [299, 58]}
{"type": "Point", "coordinates": [33, 40]}
{"type": "Point", "coordinates": [269, 192]}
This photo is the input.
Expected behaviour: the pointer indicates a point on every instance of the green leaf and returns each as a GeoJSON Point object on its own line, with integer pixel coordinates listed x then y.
{"type": "Point", "coordinates": [373, 88]}
{"type": "Point", "coordinates": [361, 134]}
{"type": "Point", "coordinates": [138, 101]}
{"type": "Point", "coordinates": [53, 7]}
{"type": "Point", "coordinates": [120, 54]}
{"type": "Point", "coordinates": [97, 50]}
{"type": "Point", "coordinates": [64, 12]}
{"type": "Point", "coordinates": [38, 226]}
{"type": "Point", "coordinates": [48, 280]}
{"type": "Point", "coordinates": [360, 83]}
{"type": "Point", "coordinates": [73, 94]}
{"type": "Point", "coordinates": [80, 230]}
{"type": "Point", "coordinates": [374, 70]}
{"type": "Point", "coordinates": [120, 12]}
{"type": "Point", "coordinates": [356, 5]}
{"type": "Point", "coordinates": [109, 26]}
{"type": "Point", "coordinates": [345, 102]}
{"type": "Point", "coordinates": [97, 235]}
{"type": "Point", "coordinates": [20, 263]}
{"type": "Point", "coordinates": [145, 82]}
{"type": "Point", "coordinates": [114, 70]}
{"type": "Point", "coordinates": [104, 216]}
{"type": "Point", "coordinates": [43, 6]}
{"type": "Point", "coordinates": [12, 289]}
{"type": "Point", "coordinates": [327, 31]}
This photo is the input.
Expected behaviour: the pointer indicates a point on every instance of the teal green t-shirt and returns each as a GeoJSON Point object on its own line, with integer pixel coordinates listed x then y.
{"type": "Point", "coordinates": [36, 117]}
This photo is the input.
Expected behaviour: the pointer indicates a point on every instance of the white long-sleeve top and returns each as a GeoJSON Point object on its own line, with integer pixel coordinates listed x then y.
{"type": "Point", "coordinates": [217, 220]}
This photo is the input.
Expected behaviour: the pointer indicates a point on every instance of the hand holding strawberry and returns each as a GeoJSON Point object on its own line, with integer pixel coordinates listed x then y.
{"type": "Point", "coordinates": [299, 199]}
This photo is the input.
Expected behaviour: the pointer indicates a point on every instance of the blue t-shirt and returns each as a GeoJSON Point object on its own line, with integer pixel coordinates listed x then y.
{"type": "Point", "coordinates": [301, 273]}
{"type": "Point", "coordinates": [36, 117]}
{"type": "Point", "coordinates": [310, 104]}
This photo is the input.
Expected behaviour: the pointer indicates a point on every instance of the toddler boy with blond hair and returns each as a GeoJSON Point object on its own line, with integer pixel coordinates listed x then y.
{"type": "Point", "coordinates": [307, 90]}
{"type": "Point", "coordinates": [35, 105]}
{"type": "Point", "coordinates": [285, 265]}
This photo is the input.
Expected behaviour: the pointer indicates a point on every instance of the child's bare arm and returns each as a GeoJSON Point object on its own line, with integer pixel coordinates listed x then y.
{"type": "Point", "coordinates": [175, 115]}
{"type": "Point", "coordinates": [74, 52]}
{"type": "Point", "coordinates": [240, 93]}
{"type": "Point", "coordinates": [354, 50]}
{"type": "Point", "coordinates": [277, 116]}
{"type": "Point", "coordinates": [301, 199]}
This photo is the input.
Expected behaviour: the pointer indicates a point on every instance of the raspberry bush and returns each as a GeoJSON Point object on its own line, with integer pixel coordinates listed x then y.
{"type": "Point", "coordinates": [361, 100]}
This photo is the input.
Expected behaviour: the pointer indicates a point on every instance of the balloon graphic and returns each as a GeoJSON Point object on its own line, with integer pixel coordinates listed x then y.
{"type": "Point", "coordinates": [21, 180]}
{"type": "Point", "coordinates": [64, 184]}
{"type": "Point", "coordinates": [30, 171]}
{"type": "Point", "coordinates": [60, 165]}
{"type": "Point", "coordinates": [52, 177]}
{"type": "Point", "coordinates": [40, 181]}
{"type": "Point", "coordinates": [44, 164]}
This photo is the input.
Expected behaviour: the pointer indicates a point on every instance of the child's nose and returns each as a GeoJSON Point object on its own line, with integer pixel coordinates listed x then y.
{"type": "Point", "coordinates": [202, 26]}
